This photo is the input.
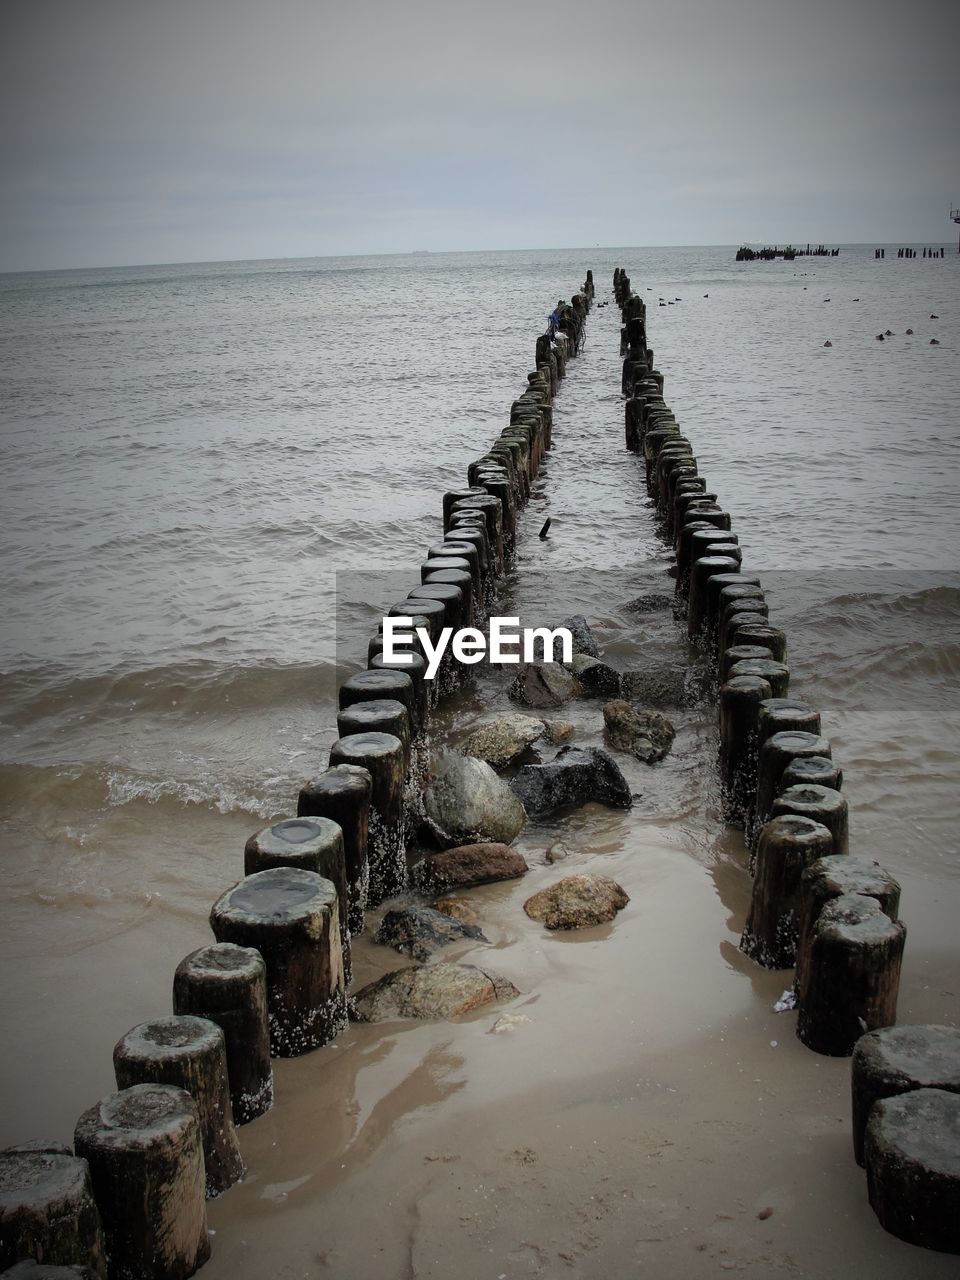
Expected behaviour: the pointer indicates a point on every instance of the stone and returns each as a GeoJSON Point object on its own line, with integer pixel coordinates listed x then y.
{"type": "Point", "coordinates": [509, 1022]}
{"type": "Point", "coordinates": [543, 685]}
{"type": "Point", "coordinates": [577, 902]}
{"type": "Point", "coordinates": [596, 678]}
{"type": "Point", "coordinates": [417, 931]}
{"type": "Point", "coordinates": [558, 732]}
{"type": "Point", "coordinates": [582, 636]}
{"type": "Point", "coordinates": [430, 992]}
{"type": "Point", "coordinates": [653, 603]}
{"type": "Point", "coordinates": [459, 908]}
{"type": "Point", "coordinates": [574, 777]}
{"type": "Point", "coordinates": [466, 802]}
{"type": "Point", "coordinates": [468, 865]}
{"type": "Point", "coordinates": [648, 735]}
{"type": "Point", "coordinates": [503, 740]}
{"type": "Point", "coordinates": [557, 852]}
{"type": "Point", "coordinates": [660, 686]}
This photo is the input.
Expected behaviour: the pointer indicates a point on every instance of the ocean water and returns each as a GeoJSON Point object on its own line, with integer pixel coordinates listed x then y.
{"type": "Point", "coordinates": [192, 454]}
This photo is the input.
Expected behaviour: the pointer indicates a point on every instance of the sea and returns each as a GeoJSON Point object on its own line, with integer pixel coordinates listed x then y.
{"type": "Point", "coordinates": [195, 455]}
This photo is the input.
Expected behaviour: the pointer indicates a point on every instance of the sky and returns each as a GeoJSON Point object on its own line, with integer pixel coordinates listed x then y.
{"type": "Point", "coordinates": [146, 131]}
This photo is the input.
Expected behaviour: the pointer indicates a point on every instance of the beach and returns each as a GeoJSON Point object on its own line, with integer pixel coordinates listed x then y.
{"type": "Point", "coordinates": [210, 470]}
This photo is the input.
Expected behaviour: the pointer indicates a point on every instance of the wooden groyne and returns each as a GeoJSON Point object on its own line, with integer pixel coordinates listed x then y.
{"type": "Point", "coordinates": [129, 1200]}
{"type": "Point", "coordinates": [770, 252]}
{"type": "Point", "coordinates": [832, 915]}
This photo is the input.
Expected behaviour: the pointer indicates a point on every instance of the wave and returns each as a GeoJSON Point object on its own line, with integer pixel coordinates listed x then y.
{"type": "Point", "coordinates": [203, 687]}
{"type": "Point", "coordinates": [47, 794]}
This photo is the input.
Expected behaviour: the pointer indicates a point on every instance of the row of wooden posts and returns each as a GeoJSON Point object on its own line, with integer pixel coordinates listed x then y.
{"type": "Point", "coordinates": [831, 916]}
{"type": "Point", "coordinates": [128, 1202]}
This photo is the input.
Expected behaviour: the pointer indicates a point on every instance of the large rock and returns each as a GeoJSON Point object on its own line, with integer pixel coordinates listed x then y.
{"type": "Point", "coordinates": [646, 734]}
{"type": "Point", "coordinates": [430, 991]}
{"type": "Point", "coordinates": [466, 802]}
{"type": "Point", "coordinates": [582, 636]}
{"type": "Point", "coordinates": [468, 865]}
{"type": "Point", "coordinates": [576, 775]}
{"type": "Point", "coordinates": [417, 931]}
{"type": "Point", "coordinates": [596, 678]}
{"type": "Point", "coordinates": [577, 902]}
{"type": "Point", "coordinates": [503, 740]}
{"type": "Point", "coordinates": [543, 685]}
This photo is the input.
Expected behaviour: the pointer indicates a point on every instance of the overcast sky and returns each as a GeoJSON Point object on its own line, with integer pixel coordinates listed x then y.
{"type": "Point", "coordinates": [181, 130]}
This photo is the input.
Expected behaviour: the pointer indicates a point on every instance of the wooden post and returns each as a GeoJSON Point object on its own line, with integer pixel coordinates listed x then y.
{"type": "Point", "coordinates": [832, 877]}
{"type": "Point", "coordinates": [913, 1168]}
{"type": "Point", "coordinates": [823, 804]}
{"type": "Point", "coordinates": [819, 770]}
{"type": "Point", "coordinates": [47, 1210]}
{"type": "Point", "coordinates": [383, 716]}
{"type": "Point", "coordinates": [315, 844]}
{"type": "Point", "coordinates": [343, 794]}
{"type": "Point", "coordinates": [190, 1053]}
{"type": "Point", "coordinates": [786, 715]}
{"type": "Point", "coordinates": [228, 985]}
{"type": "Point", "coordinates": [895, 1060]}
{"type": "Point", "coordinates": [740, 702]}
{"type": "Point", "coordinates": [851, 976]}
{"type": "Point", "coordinates": [382, 755]}
{"type": "Point", "coordinates": [290, 917]}
{"type": "Point", "coordinates": [776, 674]}
{"type": "Point", "coordinates": [787, 845]}
{"type": "Point", "coordinates": [775, 753]}
{"type": "Point", "coordinates": [145, 1153]}
{"type": "Point", "coordinates": [700, 573]}
{"type": "Point", "coordinates": [755, 631]}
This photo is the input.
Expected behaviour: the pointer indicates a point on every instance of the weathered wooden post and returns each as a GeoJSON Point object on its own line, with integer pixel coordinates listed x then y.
{"type": "Point", "coordinates": [343, 794]}
{"type": "Point", "coordinates": [47, 1210]}
{"type": "Point", "coordinates": [912, 1154]}
{"type": "Point", "coordinates": [823, 804]}
{"type": "Point", "coordinates": [833, 877]}
{"type": "Point", "coordinates": [145, 1153]}
{"type": "Point", "coordinates": [851, 976]}
{"type": "Point", "coordinates": [190, 1053]}
{"type": "Point", "coordinates": [228, 985]}
{"type": "Point", "coordinates": [290, 917]}
{"type": "Point", "coordinates": [787, 845]}
{"type": "Point", "coordinates": [381, 754]}
{"type": "Point", "coordinates": [315, 844]}
{"type": "Point", "coordinates": [895, 1060]}
{"type": "Point", "coordinates": [740, 702]}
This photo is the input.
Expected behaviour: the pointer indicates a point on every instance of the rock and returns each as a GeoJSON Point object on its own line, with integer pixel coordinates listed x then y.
{"type": "Point", "coordinates": [662, 686]}
{"type": "Point", "coordinates": [543, 684]}
{"type": "Point", "coordinates": [430, 991]}
{"type": "Point", "coordinates": [503, 740]}
{"type": "Point", "coordinates": [654, 603]}
{"type": "Point", "coordinates": [646, 734]}
{"type": "Point", "coordinates": [557, 852]}
{"type": "Point", "coordinates": [469, 865]}
{"type": "Point", "coordinates": [575, 776]}
{"type": "Point", "coordinates": [558, 731]}
{"type": "Point", "coordinates": [596, 677]}
{"type": "Point", "coordinates": [466, 802]}
{"type": "Point", "coordinates": [583, 641]}
{"type": "Point", "coordinates": [417, 931]}
{"type": "Point", "coordinates": [577, 902]}
{"type": "Point", "coordinates": [459, 908]}
{"type": "Point", "coordinates": [508, 1022]}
